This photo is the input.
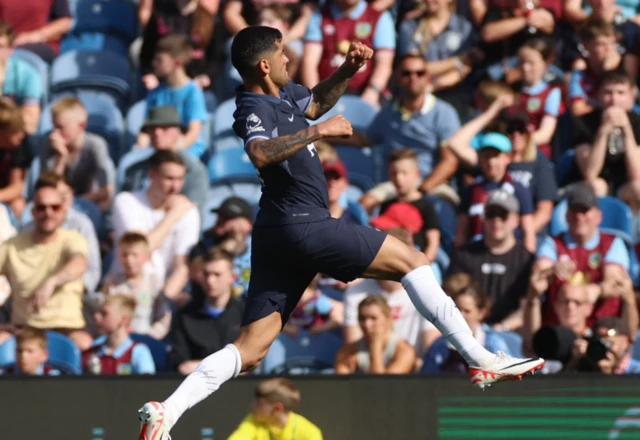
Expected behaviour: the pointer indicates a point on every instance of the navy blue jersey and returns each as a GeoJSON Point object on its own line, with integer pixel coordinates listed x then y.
{"type": "Point", "coordinates": [295, 190]}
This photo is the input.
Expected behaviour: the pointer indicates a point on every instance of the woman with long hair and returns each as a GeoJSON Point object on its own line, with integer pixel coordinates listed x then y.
{"type": "Point", "coordinates": [380, 350]}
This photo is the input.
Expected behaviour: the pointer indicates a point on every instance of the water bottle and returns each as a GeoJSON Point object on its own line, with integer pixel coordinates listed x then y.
{"type": "Point", "coordinates": [615, 142]}
{"type": "Point", "coordinates": [530, 7]}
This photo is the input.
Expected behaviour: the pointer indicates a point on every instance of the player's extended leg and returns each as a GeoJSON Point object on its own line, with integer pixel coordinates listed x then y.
{"type": "Point", "coordinates": [397, 261]}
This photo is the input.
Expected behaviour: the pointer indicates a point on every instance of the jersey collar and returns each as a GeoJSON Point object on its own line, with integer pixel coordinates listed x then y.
{"type": "Point", "coordinates": [590, 244]}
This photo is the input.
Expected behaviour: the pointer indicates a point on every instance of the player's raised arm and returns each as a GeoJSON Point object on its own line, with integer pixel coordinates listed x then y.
{"type": "Point", "coordinates": [327, 92]}
{"type": "Point", "coordinates": [264, 152]}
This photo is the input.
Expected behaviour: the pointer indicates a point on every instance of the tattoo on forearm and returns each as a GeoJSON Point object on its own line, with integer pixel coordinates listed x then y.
{"type": "Point", "coordinates": [283, 147]}
{"type": "Point", "coordinates": [327, 92]}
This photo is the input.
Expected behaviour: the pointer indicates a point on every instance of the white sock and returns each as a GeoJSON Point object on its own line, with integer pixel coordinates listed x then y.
{"type": "Point", "coordinates": [212, 372]}
{"type": "Point", "coordinates": [438, 307]}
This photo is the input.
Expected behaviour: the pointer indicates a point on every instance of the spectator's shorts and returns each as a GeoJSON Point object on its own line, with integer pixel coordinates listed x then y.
{"type": "Point", "coordinates": [285, 259]}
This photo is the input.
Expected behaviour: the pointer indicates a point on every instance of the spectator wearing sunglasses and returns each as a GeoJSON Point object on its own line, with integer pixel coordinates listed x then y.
{"type": "Point", "coordinates": [494, 157]}
{"type": "Point", "coordinates": [497, 261]}
{"type": "Point", "coordinates": [419, 121]}
{"type": "Point", "coordinates": [528, 166]}
{"type": "Point", "coordinates": [45, 269]}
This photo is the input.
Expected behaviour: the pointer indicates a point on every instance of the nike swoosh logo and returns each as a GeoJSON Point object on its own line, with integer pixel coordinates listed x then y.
{"type": "Point", "coordinates": [519, 363]}
{"type": "Point", "coordinates": [290, 119]}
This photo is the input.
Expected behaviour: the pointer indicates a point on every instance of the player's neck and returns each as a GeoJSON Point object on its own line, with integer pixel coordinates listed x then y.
{"type": "Point", "coordinates": [263, 88]}
{"type": "Point", "coordinates": [117, 338]}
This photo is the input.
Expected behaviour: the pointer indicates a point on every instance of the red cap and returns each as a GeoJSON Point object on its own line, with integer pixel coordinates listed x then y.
{"type": "Point", "coordinates": [335, 166]}
{"type": "Point", "coordinates": [399, 215]}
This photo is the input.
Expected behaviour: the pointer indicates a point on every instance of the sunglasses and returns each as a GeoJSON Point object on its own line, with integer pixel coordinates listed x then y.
{"type": "Point", "coordinates": [418, 73]}
{"type": "Point", "coordinates": [492, 213]}
{"type": "Point", "coordinates": [43, 208]}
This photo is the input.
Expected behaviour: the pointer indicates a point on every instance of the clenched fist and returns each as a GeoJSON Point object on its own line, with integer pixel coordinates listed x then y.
{"type": "Point", "coordinates": [335, 126]}
{"type": "Point", "coordinates": [357, 56]}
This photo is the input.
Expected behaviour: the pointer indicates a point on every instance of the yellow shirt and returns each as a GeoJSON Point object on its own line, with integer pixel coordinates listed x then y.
{"type": "Point", "coordinates": [27, 264]}
{"type": "Point", "coordinates": [297, 428]}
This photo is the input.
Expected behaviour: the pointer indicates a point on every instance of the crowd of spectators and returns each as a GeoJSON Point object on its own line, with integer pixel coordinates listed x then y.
{"type": "Point", "coordinates": [507, 132]}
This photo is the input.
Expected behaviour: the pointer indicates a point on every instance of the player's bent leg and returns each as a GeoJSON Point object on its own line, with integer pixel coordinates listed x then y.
{"type": "Point", "coordinates": [244, 354]}
{"type": "Point", "coordinates": [397, 261]}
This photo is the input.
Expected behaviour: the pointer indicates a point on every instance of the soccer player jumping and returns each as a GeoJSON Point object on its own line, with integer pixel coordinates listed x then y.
{"type": "Point", "coordinates": [294, 236]}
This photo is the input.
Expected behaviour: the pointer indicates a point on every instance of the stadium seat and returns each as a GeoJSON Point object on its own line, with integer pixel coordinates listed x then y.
{"type": "Point", "coordinates": [63, 353]}
{"type": "Point", "coordinates": [37, 63]}
{"type": "Point", "coordinates": [616, 218]}
{"type": "Point", "coordinates": [358, 112]}
{"type": "Point", "coordinates": [105, 119]}
{"type": "Point", "coordinates": [99, 72]}
{"type": "Point", "coordinates": [132, 157]}
{"type": "Point", "coordinates": [448, 219]}
{"type": "Point", "coordinates": [564, 165]}
{"type": "Point", "coordinates": [211, 102]}
{"type": "Point", "coordinates": [158, 350]}
{"type": "Point", "coordinates": [101, 25]}
{"type": "Point", "coordinates": [302, 354]}
{"type": "Point", "coordinates": [361, 169]}
{"type": "Point", "coordinates": [231, 165]}
{"type": "Point", "coordinates": [134, 120]}
{"type": "Point", "coordinates": [223, 120]}
{"type": "Point", "coordinates": [514, 342]}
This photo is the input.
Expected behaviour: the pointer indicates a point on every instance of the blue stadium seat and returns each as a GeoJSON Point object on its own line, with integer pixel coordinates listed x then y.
{"type": "Point", "coordinates": [132, 157]}
{"type": "Point", "coordinates": [223, 119]}
{"type": "Point", "coordinates": [158, 350]}
{"type": "Point", "coordinates": [448, 219]}
{"type": "Point", "coordinates": [361, 169]}
{"type": "Point", "coordinates": [302, 354]}
{"type": "Point", "coordinates": [211, 102]}
{"type": "Point", "coordinates": [30, 178]}
{"type": "Point", "coordinates": [514, 342]}
{"type": "Point", "coordinates": [101, 25]}
{"type": "Point", "coordinates": [63, 353]}
{"type": "Point", "coordinates": [358, 112]}
{"type": "Point", "coordinates": [105, 119]}
{"type": "Point", "coordinates": [616, 218]}
{"type": "Point", "coordinates": [231, 165]}
{"type": "Point", "coordinates": [100, 72]}
{"type": "Point", "coordinates": [564, 165]}
{"type": "Point", "coordinates": [134, 120]}
{"type": "Point", "coordinates": [37, 63]}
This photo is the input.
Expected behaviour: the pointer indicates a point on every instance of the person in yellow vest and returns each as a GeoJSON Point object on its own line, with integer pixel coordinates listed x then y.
{"type": "Point", "coordinates": [272, 416]}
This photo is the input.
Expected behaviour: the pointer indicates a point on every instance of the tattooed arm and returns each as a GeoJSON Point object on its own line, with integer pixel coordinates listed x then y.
{"type": "Point", "coordinates": [327, 92]}
{"type": "Point", "coordinates": [264, 152]}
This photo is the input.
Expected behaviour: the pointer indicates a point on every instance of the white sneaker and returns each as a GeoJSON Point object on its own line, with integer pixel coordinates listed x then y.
{"type": "Point", "coordinates": [152, 422]}
{"type": "Point", "coordinates": [503, 367]}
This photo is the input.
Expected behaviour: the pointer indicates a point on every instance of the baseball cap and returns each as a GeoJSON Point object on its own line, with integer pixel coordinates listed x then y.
{"type": "Point", "coordinates": [334, 166]}
{"type": "Point", "coordinates": [399, 215]}
{"type": "Point", "coordinates": [495, 140]}
{"type": "Point", "coordinates": [234, 207]}
{"type": "Point", "coordinates": [503, 199]}
{"type": "Point", "coordinates": [582, 194]}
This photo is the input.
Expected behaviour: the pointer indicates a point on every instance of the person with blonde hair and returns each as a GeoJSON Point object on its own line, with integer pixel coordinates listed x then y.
{"type": "Point", "coordinates": [380, 350]}
{"type": "Point", "coordinates": [272, 416]}
{"type": "Point", "coordinates": [14, 156]}
{"type": "Point", "coordinates": [82, 157]}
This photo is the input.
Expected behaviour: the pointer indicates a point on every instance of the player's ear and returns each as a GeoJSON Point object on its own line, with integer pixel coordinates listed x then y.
{"type": "Point", "coordinates": [265, 67]}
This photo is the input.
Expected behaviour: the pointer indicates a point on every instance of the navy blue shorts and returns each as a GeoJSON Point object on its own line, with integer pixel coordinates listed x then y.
{"type": "Point", "coordinates": [286, 258]}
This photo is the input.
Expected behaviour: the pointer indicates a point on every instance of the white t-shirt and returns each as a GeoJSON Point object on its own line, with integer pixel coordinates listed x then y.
{"type": "Point", "coordinates": [133, 212]}
{"type": "Point", "coordinates": [407, 321]}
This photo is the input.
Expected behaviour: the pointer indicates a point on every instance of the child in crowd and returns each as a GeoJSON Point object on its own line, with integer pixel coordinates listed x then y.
{"type": "Point", "coordinates": [152, 313]}
{"type": "Point", "coordinates": [474, 305]}
{"type": "Point", "coordinates": [82, 157]}
{"type": "Point", "coordinates": [542, 101]}
{"type": "Point", "coordinates": [114, 352]}
{"type": "Point", "coordinates": [272, 415]}
{"type": "Point", "coordinates": [404, 173]}
{"type": "Point", "coordinates": [177, 89]}
{"type": "Point", "coordinates": [31, 354]}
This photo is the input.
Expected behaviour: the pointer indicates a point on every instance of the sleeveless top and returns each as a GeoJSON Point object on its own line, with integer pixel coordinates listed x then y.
{"type": "Point", "coordinates": [363, 359]}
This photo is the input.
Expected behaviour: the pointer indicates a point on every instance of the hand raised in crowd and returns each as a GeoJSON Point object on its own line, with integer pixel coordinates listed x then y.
{"type": "Point", "coordinates": [564, 269]}
{"type": "Point", "coordinates": [618, 287]}
{"type": "Point", "coordinates": [150, 81]}
{"type": "Point", "coordinates": [579, 348]}
{"type": "Point", "coordinates": [608, 364]}
{"type": "Point", "coordinates": [541, 280]}
{"type": "Point", "coordinates": [502, 102]}
{"type": "Point", "coordinates": [540, 19]}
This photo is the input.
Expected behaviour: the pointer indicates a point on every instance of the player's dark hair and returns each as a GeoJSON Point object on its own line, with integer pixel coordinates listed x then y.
{"type": "Point", "coordinates": [250, 44]}
{"type": "Point", "coordinates": [165, 156]}
{"type": "Point", "coordinates": [615, 77]}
